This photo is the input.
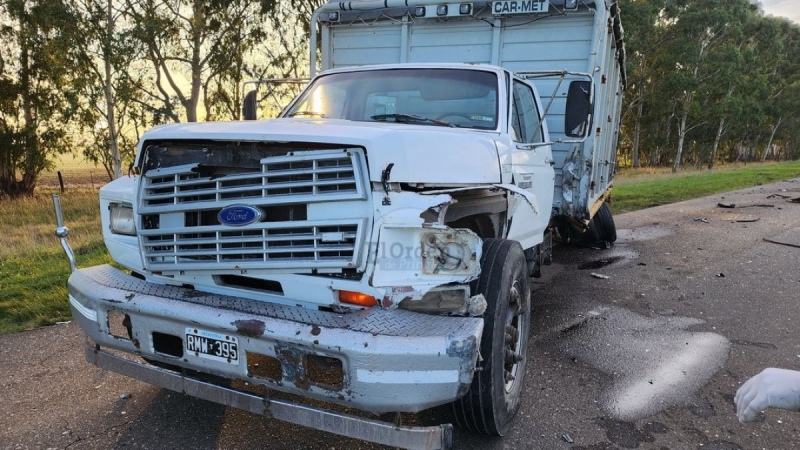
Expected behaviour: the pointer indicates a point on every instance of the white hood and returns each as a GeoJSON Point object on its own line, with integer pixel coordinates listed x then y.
{"type": "Point", "coordinates": [420, 153]}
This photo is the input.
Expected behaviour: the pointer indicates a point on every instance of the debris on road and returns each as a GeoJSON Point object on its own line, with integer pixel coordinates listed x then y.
{"type": "Point", "coordinates": [701, 219]}
{"type": "Point", "coordinates": [748, 220]}
{"type": "Point", "coordinates": [600, 276]}
{"type": "Point", "coordinates": [782, 243]}
{"type": "Point", "coordinates": [778, 196]}
{"type": "Point", "coordinates": [720, 275]}
{"type": "Point", "coordinates": [567, 438]}
{"type": "Point", "coordinates": [755, 205]}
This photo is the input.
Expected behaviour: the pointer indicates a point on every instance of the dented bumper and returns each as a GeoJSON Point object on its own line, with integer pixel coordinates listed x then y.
{"type": "Point", "coordinates": [375, 360]}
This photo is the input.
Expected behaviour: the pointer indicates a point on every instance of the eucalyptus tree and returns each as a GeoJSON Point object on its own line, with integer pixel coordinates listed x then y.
{"type": "Point", "coordinates": [709, 76]}
{"type": "Point", "coordinates": [648, 27]}
{"type": "Point", "coordinates": [782, 78]}
{"type": "Point", "coordinates": [700, 29]}
{"type": "Point", "coordinates": [201, 51]}
{"type": "Point", "coordinates": [642, 33]}
{"type": "Point", "coordinates": [109, 57]}
{"type": "Point", "coordinates": [728, 95]}
{"type": "Point", "coordinates": [40, 80]}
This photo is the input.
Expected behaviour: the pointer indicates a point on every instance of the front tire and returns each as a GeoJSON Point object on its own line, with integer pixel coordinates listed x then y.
{"type": "Point", "coordinates": [494, 396]}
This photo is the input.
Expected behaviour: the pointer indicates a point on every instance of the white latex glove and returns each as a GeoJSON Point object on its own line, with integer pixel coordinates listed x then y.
{"type": "Point", "coordinates": [772, 388]}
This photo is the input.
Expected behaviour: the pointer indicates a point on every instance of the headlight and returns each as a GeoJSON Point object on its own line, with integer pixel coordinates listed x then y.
{"type": "Point", "coordinates": [122, 219]}
{"type": "Point", "coordinates": [450, 252]}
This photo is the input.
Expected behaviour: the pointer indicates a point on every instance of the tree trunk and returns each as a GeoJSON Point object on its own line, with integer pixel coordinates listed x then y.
{"type": "Point", "coordinates": [198, 23]}
{"type": "Point", "coordinates": [654, 151]}
{"type": "Point", "coordinates": [116, 161]}
{"type": "Point", "coordinates": [713, 158]}
{"type": "Point", "coordinates": [681, 138]}
{"type": "Point", "coordinates": [637, 128]}
{"type": "Point", "coordinates": [30, 139]}
{"type": "Point", "coordinates": [771, 138]}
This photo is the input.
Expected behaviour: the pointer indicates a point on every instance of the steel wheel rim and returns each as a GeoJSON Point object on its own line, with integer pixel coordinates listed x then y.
{"type": "Point", "coordinates": [513, 361]}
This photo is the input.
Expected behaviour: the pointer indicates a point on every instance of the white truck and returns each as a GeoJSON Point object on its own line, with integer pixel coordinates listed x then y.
{"type": "Point", "coordinates": [372, 246]}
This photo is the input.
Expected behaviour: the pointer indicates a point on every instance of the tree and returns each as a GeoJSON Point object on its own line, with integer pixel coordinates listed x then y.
{"type": "Point", "coordinates": [108, 58]}
{"type": "Point", "coordinates": [38, 96]}
{"type": "Point", "coordinates": [642, 22]}
{"type": "Point", "coordinates": [700, 31]}
{"type": "Point", "coordinates": [196, 49]}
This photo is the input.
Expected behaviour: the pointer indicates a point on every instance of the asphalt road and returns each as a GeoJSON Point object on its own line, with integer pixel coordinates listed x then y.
{"type": "Point", "coordinates": [696, 301]}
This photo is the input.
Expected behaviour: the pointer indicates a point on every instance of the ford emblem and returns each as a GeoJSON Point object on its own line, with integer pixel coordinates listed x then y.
{"type": "Point", "coordinates": [239, 215]}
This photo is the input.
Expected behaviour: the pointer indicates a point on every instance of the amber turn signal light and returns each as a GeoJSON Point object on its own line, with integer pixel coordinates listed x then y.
{"type": "Point", "coordinates": [357, 298]}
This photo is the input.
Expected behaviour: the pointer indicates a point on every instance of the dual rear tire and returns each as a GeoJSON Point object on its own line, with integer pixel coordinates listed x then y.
{"type": "Point", "coordinates": [601, 232]}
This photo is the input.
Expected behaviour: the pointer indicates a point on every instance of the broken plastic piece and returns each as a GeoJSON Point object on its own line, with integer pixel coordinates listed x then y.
{"type": "Point", "coordinates": [600, 276]}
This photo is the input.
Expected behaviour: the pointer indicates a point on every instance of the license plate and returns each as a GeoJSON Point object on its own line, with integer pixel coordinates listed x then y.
{"type": "Point", "coordinates": [213, 346]}
{"type": "Point", "coordinates": [520, 7]}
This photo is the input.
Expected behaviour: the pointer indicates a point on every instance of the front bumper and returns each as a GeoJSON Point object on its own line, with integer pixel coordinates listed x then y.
{"type": "Point", "coordinates": [390, 360]}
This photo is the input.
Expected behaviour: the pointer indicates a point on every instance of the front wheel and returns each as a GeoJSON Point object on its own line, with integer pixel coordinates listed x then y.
{"type": "Point", "coordinates": [496, 391]}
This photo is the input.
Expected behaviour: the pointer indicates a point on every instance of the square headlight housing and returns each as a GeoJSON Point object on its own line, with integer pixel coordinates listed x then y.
{"type": "Point", "coordinates": [122, 221]}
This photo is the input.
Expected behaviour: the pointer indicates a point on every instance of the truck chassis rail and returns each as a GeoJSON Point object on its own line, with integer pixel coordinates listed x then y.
{"type": "Point", "coordinates": [408, 437]}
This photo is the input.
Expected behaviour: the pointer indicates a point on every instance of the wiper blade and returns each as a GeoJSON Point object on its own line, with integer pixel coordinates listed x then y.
{"type": "Point", "coordinates": [409, 118]}
{"type": "Point", "coordinates": [307, 113]}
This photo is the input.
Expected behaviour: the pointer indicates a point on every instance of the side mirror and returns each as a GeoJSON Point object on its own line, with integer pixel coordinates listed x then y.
{"type": "Point", "coordinates": [578, 116]}
{"type": "Point", "coordinates": [250, 105]}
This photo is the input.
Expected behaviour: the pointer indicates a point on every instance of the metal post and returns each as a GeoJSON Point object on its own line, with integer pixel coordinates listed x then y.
{"type": "Point", "coordinates": [62, 232]}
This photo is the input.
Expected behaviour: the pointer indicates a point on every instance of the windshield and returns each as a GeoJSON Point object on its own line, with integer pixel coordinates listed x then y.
{"type": "Point", "coordinates": [437, 97]}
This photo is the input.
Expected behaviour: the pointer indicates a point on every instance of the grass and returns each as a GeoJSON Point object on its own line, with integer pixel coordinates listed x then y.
{"type": "Point", "coordinates": [636, 189]}
{"type": "Point", "coordinates": [33, 266]}
{"type": "Point", "coordinates": [34, 269]}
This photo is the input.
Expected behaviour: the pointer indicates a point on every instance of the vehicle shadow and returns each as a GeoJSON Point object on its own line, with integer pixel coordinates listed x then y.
{"type": "Point", "coordinates": [175, 420]}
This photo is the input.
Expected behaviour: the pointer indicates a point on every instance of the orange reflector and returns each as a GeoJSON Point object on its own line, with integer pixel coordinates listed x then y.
{"type": "Point", "coordinates": [357, 298]}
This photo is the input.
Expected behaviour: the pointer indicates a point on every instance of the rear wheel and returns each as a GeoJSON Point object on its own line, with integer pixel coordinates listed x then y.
{"type": "Point", "coordinates": [604, 224]}
{"type": "Point", "coordinates": [601, 231]}
{"type": "Point", "coordinates": [494, 397]}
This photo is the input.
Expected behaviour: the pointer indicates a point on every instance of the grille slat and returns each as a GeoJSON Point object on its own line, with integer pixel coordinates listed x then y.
{"type": "Point", "coordinates": [282, 188]}
{"type": "Point", "coordinates": [246, 251]}
{"type": "Point", "coordinates": [348, 183]}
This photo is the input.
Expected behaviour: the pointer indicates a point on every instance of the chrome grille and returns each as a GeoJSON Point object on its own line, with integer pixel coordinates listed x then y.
{"type": "Point", "coordinates": [327, 175]}
{"type": "Point", "coordinates": [179, 229]}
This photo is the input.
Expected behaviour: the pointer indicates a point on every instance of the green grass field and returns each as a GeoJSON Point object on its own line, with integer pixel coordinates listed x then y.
{"type": "Point", "coordinates": [645, 188]}
{"type": "Point", "coordinates": [34, 269]}
{"type": "Point", "coordinates": [33, 266]}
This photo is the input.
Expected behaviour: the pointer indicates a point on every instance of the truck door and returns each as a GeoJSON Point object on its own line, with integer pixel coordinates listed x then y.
{"type": "Point", "coordinates": [531, 166]}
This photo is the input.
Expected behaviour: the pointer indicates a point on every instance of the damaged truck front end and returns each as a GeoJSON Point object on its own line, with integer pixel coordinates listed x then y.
{"type": "Point", "coordinates": [285, 268]}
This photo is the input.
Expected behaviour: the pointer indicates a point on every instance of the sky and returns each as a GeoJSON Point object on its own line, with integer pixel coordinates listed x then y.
{"type": "Point", "coordinates": [785, 8]}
